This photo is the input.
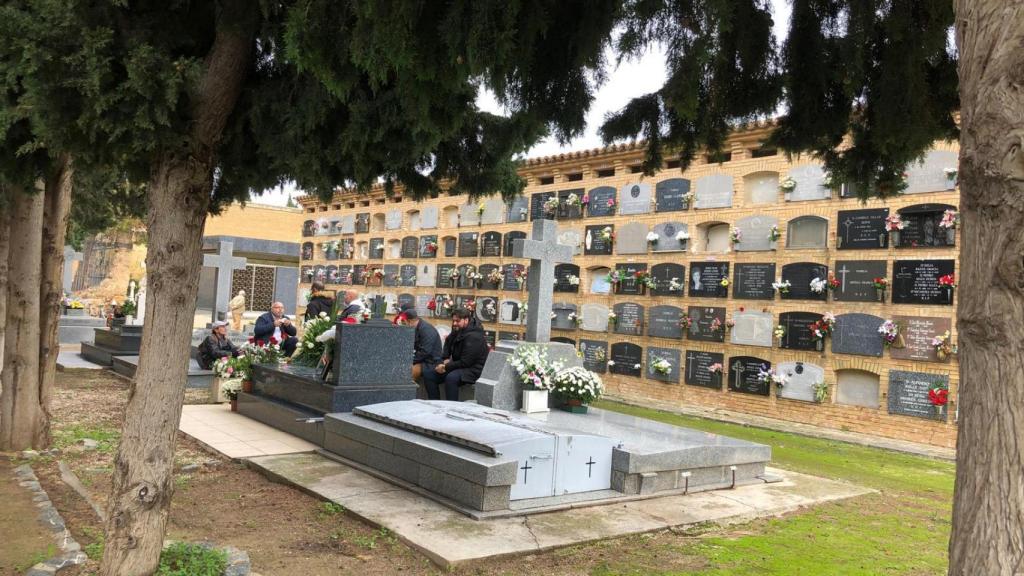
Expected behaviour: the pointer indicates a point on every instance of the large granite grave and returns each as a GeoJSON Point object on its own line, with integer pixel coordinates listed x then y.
{"type": "Point", "coordinates": [75, 326]}
{"type": "Point", "coordinates": [110, 342]}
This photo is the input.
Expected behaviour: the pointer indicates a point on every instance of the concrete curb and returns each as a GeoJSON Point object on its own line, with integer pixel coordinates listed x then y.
{"type": "Point", "coordinates": [70, 551]}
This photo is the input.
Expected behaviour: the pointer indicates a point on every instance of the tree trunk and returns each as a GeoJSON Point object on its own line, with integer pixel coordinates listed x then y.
{"type": "Point", "coordinates": [988, 503]}
{"type": "Point", "coordinates": [179, 196]}
{"type": "Point", "coordinates": [5, 237]}
{"type": "Point", "coordinates": [56, 210]}
{"type": "Point", "coordinates": [22, 418]}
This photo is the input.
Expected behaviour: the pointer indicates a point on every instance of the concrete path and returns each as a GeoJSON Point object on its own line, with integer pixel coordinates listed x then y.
{"type": "Point", "coordinates": [235, 436]}
{"type": "Point", "coordinates": [448, 538]}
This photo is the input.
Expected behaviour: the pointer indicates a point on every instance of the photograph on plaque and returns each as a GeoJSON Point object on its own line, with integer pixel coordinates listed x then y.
{"type": "Point", "coordinates": [669, 280]}
{"type": "Point", "coordinates": [862, 229]}
{"type": "Point", "coordinates": [921, 227]}
{"type": "Point", "coordinates": [626, 359]}
{"type": "Point", "coordinates": [598, 240]}
{"type": "Point", "coordinates": [490, 244]}
{"type": "Point", "coordinates": [753, 281]}
{"type": "Point", "coordinates": [601, 202]}
{"type": "Point", "coordinates": [704, 369]}
{"type": "Point", "coordinates": [629, 283]}
{"type": "Point", "coordinates": [798, 334]}
{"type": "Point", "coordinates": [307, 250]}
{"type": "Point", "coordinates": [510, 239]}
{"type": "Point", "coordinates": [800, 275]}
{"type": "Point", "coordinates": [671, 195]}
{"type": "Point", "coordinates": [707, 323]}
{"type": "Point", "coordinates": [857, 280]}
{"type": "Point", "coordinates": [744, 375]}
{"type": "Point", "coordinates": [705, 279]}
{"type": "Point", "coordinates": [908, 394]}
{"type": "Point", "coordinates": [918, 281]}
{"type": "Point", "coordinates": [594, 354]}
{"type": "Point", "coordinates": [567, 278]}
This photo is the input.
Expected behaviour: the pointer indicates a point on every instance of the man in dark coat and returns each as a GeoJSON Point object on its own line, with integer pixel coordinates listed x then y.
{"type": "Point", "coordinates": [275, 325]}
{"type": "Point", "coordinates": [353, 306]}
{"type": "Point", "coordinates": [318, 302]}
{"type": "Point", "coordinates": [215, 347]}
{"type": "Point", "coordinates": [427, 346]}
{"type": "Point", "coordinates": [465, 352]}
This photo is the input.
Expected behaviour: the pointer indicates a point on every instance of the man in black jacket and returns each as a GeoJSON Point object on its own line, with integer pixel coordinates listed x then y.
{"type": "Point", "coordinates": [318, 301]}
{"type": "Point", "coordinates": [215, 347]}
{"type": "Point", "coordinates": [427, 346]}
{"type": "Point", "coordinates": [464, 355]}
{"type": "Point", "coordinates": [274, 325]}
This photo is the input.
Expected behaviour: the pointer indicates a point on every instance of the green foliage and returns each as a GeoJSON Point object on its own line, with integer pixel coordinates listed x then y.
{"type": "Point", "coordinates": [185, 559]}
{"type": "Point", "coordinates": [107, 438]}
{"type": "Point", "coordinates": [94, 549]}
{"type": "Point", "coordinates": [330, 509]}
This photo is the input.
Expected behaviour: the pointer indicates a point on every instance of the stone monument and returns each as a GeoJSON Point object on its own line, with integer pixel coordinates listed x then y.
{"type": "Point", "coordinates": [224, 263]}
{"type": "Point", "coordinates": [70, 257]}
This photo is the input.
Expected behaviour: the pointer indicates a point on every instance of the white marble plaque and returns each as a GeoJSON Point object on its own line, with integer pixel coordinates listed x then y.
{"type": "Point", "coordinates": [929, 175]}
{"type": "Point", "coordinates": [667, 237]}
{"type": "Point", "coordinates": [595, 318]}
{"type": "Point", "coordinates": [810, 183]}
{"type": "Point", "coordinates": [428, 217]}
{"type": "Point", "coordinates": [348, 224]}
{"type": "Point", "coordinates": [635, 198]}
{"type": "Point", "coordinates": [571, 238]}
{"type": "Point", "coordinates": [511, 312]}
{"type": "Point", "coordinates": [598, 281]}
{"type": "Point", "coordinates": [425, 275]}
{"type": "Point", "coordinates": [631, 238]}
{"type": "Point", "coordinates": [714, 191]}
{"type": "Point", "coordinates": [494, 211]}
{"type": "Point", "coordinates": [469, 214]}
{"type": "Point", "coordinates": [761, 188]}
{"type": "Point", "coordinates": [802, 378]}
{"type": "Point", "coordinates": [752, 329]}
{"type": "Point", "coordinates": [393, 220]}
{"type": "Point", "coordinates": [756, 233]}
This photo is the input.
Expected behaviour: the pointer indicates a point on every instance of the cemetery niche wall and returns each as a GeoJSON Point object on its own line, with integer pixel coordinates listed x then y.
{"type": "Point", "coordinates": [816, 231]}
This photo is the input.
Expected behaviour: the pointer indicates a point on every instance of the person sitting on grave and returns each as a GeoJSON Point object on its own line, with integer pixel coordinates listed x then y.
{"type": "Point", "coordinates": [275, 326]}
{"type": "Point", "coordinates": [427, 344]}
{"type": "Point", "coordinates": [353, 305]}
{"type": "Point", "coordinates": [215, 346]}
{"type": "Point", "coordinates": [319, 301]}
{"type": "Point", "coordinates": [463, 357]}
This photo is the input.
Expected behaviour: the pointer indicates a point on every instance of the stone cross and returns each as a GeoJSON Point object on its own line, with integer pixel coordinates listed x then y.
{"type": "Point", "coordinates": [223, 263]}
{"type": "Point", "coordinates": [544, 253]}
{"type": "Point", "coordinates": [70, 257]}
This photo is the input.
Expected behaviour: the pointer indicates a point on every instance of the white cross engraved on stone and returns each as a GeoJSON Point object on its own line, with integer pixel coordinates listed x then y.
{"type": "Point", "coordinates": [223, 263]}
{"type": "Point", "coordinates": [843, 271]}
{"type": "Point", "coordinates": [737, 367]}
{"type": "Point", "coordinates": [544, 253]}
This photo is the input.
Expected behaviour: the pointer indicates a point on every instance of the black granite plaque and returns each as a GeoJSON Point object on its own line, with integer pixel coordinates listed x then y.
{"type": "Point", "coordinates": [465, 270]}
{"type": "Point", "coordinates": [921, 226]}
{"type": "Point", "coordinates": [908, 394]}
{"type": "Point", "coordinates": [629, 283]}
{"type": "Point", "coordinates": [669, 195]}
{"type": "Point", "coordinates": [663, 322]}
{"type": "Point", "coordinates": [564, 278]}
{"type": "Point", "coordinates": [490, 244]}
{"type": "Point", "coordinates": [307, 250]}
{"type": "Point", "coordinates": [537, 205]}
{"type": "Point", "coordinates": [594, 241]}
{"type": "Point", "coordinates": [510, 238]}
{"type": "Point", "coordinates": [308, 228]}
{"type": "Point", "coordinates": [697, 373]}
{"type": "Point", "coordinates": [626, 359]}
{"type": "Point", "coordinates": [568, 210]}
{"type": "Point", "coordinates": [410, 247]}
{"type": "Point", "coordinates": [705, 279]}
{"type": "Point", "coordinates": [346, 248]}
{"type": "Point", "coordinates": [670, 355]}
{"type": "Point", "coordinates": [359, 274]}
{"type": "Point", "coordinates": [307, 274]}
{"type": "Point", "coordinates": [392, 274]}
{"type": "Point", "coordinates": [376, 248]}
{"type": "Point", "coordinates": [857, 279]}
{"type": "Point", "coordinates": [320, 273]}
{"type": "Point", "coordinates": [670, 280]}
{"type": "Point", "coordinates": [469, 244]}
{"type": "Point", "coordinates": [345, 274]}
{"type": "Point", "coordinates": [799, 276]}
{"type": "Point", "coordinates": [629, 318]}
{"type": "Point", "coordinates": [857, 334]}
{"type": "Point", "coordinates": [753, 281]}
{"type": "Point", "coordinates": [595, 355]}
{"type": "Point", "coordinates": [332, 274]}
{"type": "Point", "coordinates": [917, 281]}
{"type": "Point", "coordinates": [450, 247]}
{"type": "Point", "coordinates": [406, 299]}
{"type": "Point", "coordinates": [485, 271]}
{"type": "Point", "coordinates": [444, 275]}
{"type": "Point", "coordinates": [490, 336]}
{"type": "Point", "coordinates": [743, 375]}
{"type": "Point", "coordinates": [601, 201]}
{"type": "Point", "coordinates": [428, 246]}
{"type": "Point", "coordinates": [514, 276]}
{"type": "Point", "coordinates": [441, 309]}
{"type": "Point", "coordinates": [862, 229]}
{"type": "Point", "coordinates": [407, 273]}
{"type": "Point", "coordinates": [798, 335]}
{"type": "Point", "coordinates": [703, 326]}
{"type": "Point", "coordinates": [362, 223]}
{"type": "Point", "coordinates": [518, 210]}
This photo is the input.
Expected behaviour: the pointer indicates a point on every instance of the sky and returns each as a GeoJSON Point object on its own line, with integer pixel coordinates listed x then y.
{"type": "Point", "coordinates": [627, 80]}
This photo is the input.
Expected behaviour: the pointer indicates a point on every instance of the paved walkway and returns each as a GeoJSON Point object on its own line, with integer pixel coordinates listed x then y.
{"type": "Point", "coordinates": [234, 435]}
{"type": "Point", "coordinates": [720, 415]}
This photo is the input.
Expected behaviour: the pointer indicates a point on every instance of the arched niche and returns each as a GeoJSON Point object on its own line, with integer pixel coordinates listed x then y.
{"type": "Point", "coordinates": [857, 388]}
{"type": "Point", "coordinates": [394, 249]}
{"type": "Point", "coordinates": [810, 232]}
{"type": "Point", "coordinates": [596, 280]}
{"type": "Point", "coordinates": [362, 250]}
{"type": "Point", "coordinates": [921, 227]}
{"type": "Point", "coordinates": [415, 222]}
{"type": "Point", "coordinates": [761, 188]}
{"type": "Point", "coordinates": [377, 222]}
{"type": "Point", "coordinates": [713, 238]}
{"type": "Point", "coordinates": [450, 217]}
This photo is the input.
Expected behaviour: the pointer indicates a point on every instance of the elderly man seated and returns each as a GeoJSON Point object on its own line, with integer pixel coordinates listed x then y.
{"type": "Point", "coordinates": [275, 325]}
{"type": "Point", "coordinates": [215, 346]}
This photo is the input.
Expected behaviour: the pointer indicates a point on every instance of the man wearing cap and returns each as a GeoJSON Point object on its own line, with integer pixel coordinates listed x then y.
{"type": "Point", "coordinates": [216, 346]}
{"type": "Point", "coordinates": [427, 344]}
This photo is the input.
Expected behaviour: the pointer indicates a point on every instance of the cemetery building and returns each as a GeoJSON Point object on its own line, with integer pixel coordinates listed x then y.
{"type": "Point", "coordinates": [679, 268]}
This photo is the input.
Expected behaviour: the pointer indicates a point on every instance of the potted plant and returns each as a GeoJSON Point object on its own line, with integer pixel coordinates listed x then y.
{"type": "Point", "coordinates": [880, 284]}
{"type": "Point", "coordinates": [231, 393]}
{"type": "Point", "coordinates": [735, 236]}
{"type": "Point", "coordinates": [536, 374]}
{"type": "Point", "coordinates": [819, 285]}
{"type": "Point", "coordinates": [950, 222]}
{"type": "Point", "coordinates": [779, 333]}
{"type": "Point", "coordinates": [551, 207]}
{"type": "Point", "coordinates": [770, 376]}
{"type": "Point", "coordinates": [774, 234]}
{"type": "Point", "coordinates": [820, 389]}
{"type": "Point", "coordinates": [576, 387]}
{"type": "Point", "coordinates": [782, 286]}
{"type": "Point", "coordinates": [661, 366]}
{"type": "Point", "coordinates": [893, 225]}
{"type": "Point", "coordinates": [822, 329]}
{"type": "Point", "coordinates": [652, 239]}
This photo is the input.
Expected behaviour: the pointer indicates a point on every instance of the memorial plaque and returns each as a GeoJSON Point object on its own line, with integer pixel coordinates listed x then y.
{"type": "Point", "coordinates": [629, 319]}
{"type": "Point", "coordinates": [410, 247]}
{"type": "Point", "coordinates": [626, 359]}
{"type": "Point", "coordinates": [469, 214]}
{"type": "Point", "coordinates": [921, 226]}
{"type": "Point", "coordinates": [307, 250]}
{"type": "Point", "coordinates": [320, 273]}
{"type": "Point", "coordinates": [391, 275]}
{"type": "Point", "coordinates": [810, 183]}
{"type": "Point", "coordinates": [752, 328]}
{"type": "Point", "coordinates": [518, 210]}
{"type": "Point", "coordinates": [697, 372]}
{"type": "Point", "coordinates": [713, 191]}
{"type": "Point", "coordinates": [802, 378]}
{"type": "Point", "coordinates": [537, 205]}
{"type": "Point", "coordinates": [601, 202]}
{"type": "Point", "coordinates": [359, 274]}
{"type": "Point", "coordinates": [594, 241]}
{"type": "Point", "coordinates": [567, 209]}
{"type": "Point", "coordinates": [428, 246]}
{"type": "Point", "coordinates": [494, 211]}
{"type": "Point", "coordinates": [465, 271]}
{"type": "Point", "coordinates": [423, 304]}
{"type": "Point", "coordinates": [702, 324]}
{"type": "Point", "coordinates": [917, 332]}
{"type": "Point", "coordinates": [756, 233]}
{"type": "Point", "coordinates": [670, 355]}
{"type": "Point", "coordinates": [595, 355]}
{"type": "Point", "coordinates": [425, 275]}
{"type": "Point", "coordinates": [857, 280]}
{"type": "Point", "coordinates": [308, 228]}
{"type": "Point", "coordinates": [510, 312]}
{"type": "Point", "coordinates": [908, 394]}
{"type": "Point", "coordinates": [393, 220]}
{"type": "Point", "coordinates": [807, 232]}
{"type": "Point", "coordinates": [663, 322]}
{"type": "Point", "coordinates": [567, 278]}
{"type": "Point", "coordinates": [307, 274]}
{"type": "Point", "coordinates": [513, 336]}
{"type": "Point", "coordinates": [862, 229]}
{"type": "Point", "coordinates": [362, 223]}
{"type": "Point", "coordinates": [706, 279]}
{"type": "Point", "coordinates": [469, 244]}
{"type": "Point", "coordinates": [798, 334]}
{"type": "Point", "coordinates": [348, 224]}
{"type": "Point", "coordinates": [761, 188]}
{"type": "Point", "coordinates": [631, 238]}
{"type": "Point", "coordinates": [595, 317]}
{"type": "Point", "coordinates": [406, 299]}
{"type": "Point", "coordinates": [563, 316]}
{"type": "Point", "coordinates": [929, 175]}
{"type": "Point", "coordinates": [571, 238]}
{"type": "Point", "coordinates": [485, 271]}
{"type": "Point", "coordinates": [487, 308]}
{"type": "Point", "coordinates": [635, 199]}
{"type": "Point", "coordinates": [629, 284]}
{"type": "Point", "coordinates": [376, 248]}
{"type": "Point", "coordinates": [599, 283]}
{"type": "Point", "coordinates": [465, 301]}
{"type": "Point", "coordinates": [753, 281]}
{"type": "Point", "coordinates": [670, 280]}
{"type": "Point", "coordinates": [857, 334]}
{"type": "Point", "coordinates": [668, 237]}
{"type": "Point", "coordinates": [450, 246]}
{"type": "Point", "coordinates": [515, 275]}
{"type": "Point", "coordinates": [743, 375]}
{"type": "Point", "coordinates": [407, 275]}
{"type": "Point", "coordinates": [799, 276]}
{"type": "Point", "coordinates": [510, 238]}
{"type": "Point", "coordinates": [346, 248]}
{"type": "Point", "coordinates": [332, 274]}
{"type": "Point", "coordinates": [444, 275]}
{"type": "Point", "coordinates": [917, 282]}
{"type": "Point", "coordinates": [490, 244]}
{"type": "Point", "coordinates": [428, 218]}
{"type": "Point", "coordinates": [345, 274]}
{"type": "Point", "coordinates": [442, 310]}
{"type": "Point", "coordinates": [670, 195]}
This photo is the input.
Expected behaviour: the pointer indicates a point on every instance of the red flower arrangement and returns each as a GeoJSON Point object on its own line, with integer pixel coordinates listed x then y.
{"type": "Point", "coordinates": [833, 282]}
{"type": "Point", "coordinates": [938, 395]}
{"type": "Point", "coordinates": [432, 305]}
{"type": "Point", "coordinates": [947, 280]}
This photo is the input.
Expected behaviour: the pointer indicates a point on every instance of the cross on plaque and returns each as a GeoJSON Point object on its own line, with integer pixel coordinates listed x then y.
{"type": "Point", "coordinates": [737, 367]}
{"type": "Point", "coordinates": [590, 466]}
{"type": "Point", "coordinates": [526, 470]}
{"type": "Point", "coordinates": [223, 263]}
{"type": "Point", "coordinates": [544, 253]}
{"type": "Point", "coordinates": [843, 271]}
{"type": "Point", "coordinates": [70, 257]}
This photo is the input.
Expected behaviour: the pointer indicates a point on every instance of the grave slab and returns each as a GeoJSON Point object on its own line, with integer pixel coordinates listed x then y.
{"type": "Point", "coordinates": [635, 199]}
{"type": "Point", "coordinates": [802, 379]}
{"type": "Point", "coordinates": [714, 191]}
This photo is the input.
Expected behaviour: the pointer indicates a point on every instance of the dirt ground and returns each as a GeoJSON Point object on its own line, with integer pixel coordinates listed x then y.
{"type": "Point", "coordinates": [30, 543]}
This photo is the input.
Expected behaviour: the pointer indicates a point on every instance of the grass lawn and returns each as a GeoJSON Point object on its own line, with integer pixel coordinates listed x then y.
{"type": "Point", "coordinates": [904, 529]}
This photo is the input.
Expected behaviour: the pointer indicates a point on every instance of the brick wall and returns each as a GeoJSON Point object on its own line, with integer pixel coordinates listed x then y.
{"type": "Point", "coordinates": [256, 221]}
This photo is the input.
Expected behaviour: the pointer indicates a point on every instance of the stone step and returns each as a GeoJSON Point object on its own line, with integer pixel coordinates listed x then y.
{"type": "Point", "coordinates": [74, 334]}
{"type": "Point", "coordinates": [197, 377]}
{"type": "Point", "coordinates": [102, 355]}
{"type": "Point", "coordinates": [285, 417]}
{"type": "Point", "coordinates": [82, 321]}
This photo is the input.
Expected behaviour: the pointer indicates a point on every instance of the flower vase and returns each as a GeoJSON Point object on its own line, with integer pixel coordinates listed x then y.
{"type": "Point", "coordinates": [948, 290]}
{"type": "Point", "coordinates": [573, 405]}
{"type": "Point", "coordinates": [535, 401]}
{"type": "Point", "coordinates": [950, 236]}
{"type": "Point", "coordinates": [880, 294]}
{"type": "Point", "coordinates": [819, 345]}
{"type": "Point", "coordinates": [894, 238]}
{"type": "Point", "coordinates": [234, 405]}
{"type": "Point", "coordinates": [247, 386]}
{"type": "Point", "coordinates": [941, 354]}
{"type": "Point", "coordinates": [788, 195]}
{"type": "Point", "coordinates": [940, 410]}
